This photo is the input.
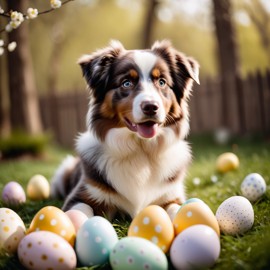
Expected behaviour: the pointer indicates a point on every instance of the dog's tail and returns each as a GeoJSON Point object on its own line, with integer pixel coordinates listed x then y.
{"type": "Point", "coordinates": [66, 177]}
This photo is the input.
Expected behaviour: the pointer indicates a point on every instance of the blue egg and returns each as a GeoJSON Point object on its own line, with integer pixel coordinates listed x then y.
{"type": "Point", "coordinates": [95, 240]}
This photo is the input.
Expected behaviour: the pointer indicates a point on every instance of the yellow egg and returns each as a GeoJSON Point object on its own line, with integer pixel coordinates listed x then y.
{"type": "Point", "coordinates": [153, 224]}
{"type": "Point", "coordinates": [38, 188]}
{"type": "Point", "coordinates": [227, 162]}
{"type": "Point", "coordinates": [194, 214]}
{"type": "Point", "coordinates": [53, 219]}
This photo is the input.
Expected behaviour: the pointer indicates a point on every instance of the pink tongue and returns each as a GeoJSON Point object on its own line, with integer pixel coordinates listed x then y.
{"type": "Point", "coordinates": [147, 130]}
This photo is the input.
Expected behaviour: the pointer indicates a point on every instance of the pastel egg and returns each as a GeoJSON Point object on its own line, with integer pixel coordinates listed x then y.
{"type": "Point", "coordinates": [253, 187]}
{"type": "Point", "coordinates": [95, 240]}
{"type": "Point", "coordinates": [13, 194]}
{"type": "Point", "coordinates": [227, 162]}
{"type": "Point", "coordinates": [45, 250]}
{"type": "Point", "coordinates": [53, 219]}
{"type": "Point", "coordinates": [235, 215]}
{"type": "Point", "coordinates": [154, 224]}
{"type": "Point", "coordinates": [197, 247]}
{"type": "Point", "coordinates": [12, 230]}
{"type": "Point", "coordinates": [193, 214]}
{"type": "Point", "coordinates": [77, 218]}
{"type": "Point", "coordinates": [38, 188]}
{"type": "Point", "coordinates": [135, 253]}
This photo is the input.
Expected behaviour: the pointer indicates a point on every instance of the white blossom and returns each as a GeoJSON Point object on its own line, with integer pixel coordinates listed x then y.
{"type": "Point", "coordinates": [32, 13]}
{"type": "Point", "coordinates": [56, 3]}
{"type": "Point", "coordinates": [12, 46]}
{"type": "Point", "coordinates": [16, 16]}
{"type": "Point", "coordinates": [1, 42]}
{"type": "Point", "coordinates": [14, 24]}
{"type": "Point", "coordinates": [1, 10]}
{"type": "Point", "coordinates": [8, 28]}
{"type": "Point", "coordinates": [1, 51]}
{"type": "Point", "coordinates": [196, 181]}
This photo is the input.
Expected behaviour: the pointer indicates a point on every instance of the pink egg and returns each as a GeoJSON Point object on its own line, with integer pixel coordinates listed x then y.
{"type": "Point", "coordinates": [13, 194]}
{"type": "Point", "coordinates": [77, 217]}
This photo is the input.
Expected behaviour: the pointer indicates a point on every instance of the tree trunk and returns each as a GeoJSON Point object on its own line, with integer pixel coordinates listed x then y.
{"type": "Point", "coordinates": [229, 65]}
{"type": "Point", "coordinates": [149, 23]}
{"type": "Point", "coordinates": [24, 105]}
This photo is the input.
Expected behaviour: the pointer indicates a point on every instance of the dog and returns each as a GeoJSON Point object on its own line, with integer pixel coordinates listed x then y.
{"type": "Point", "coordinates": [134, 152]}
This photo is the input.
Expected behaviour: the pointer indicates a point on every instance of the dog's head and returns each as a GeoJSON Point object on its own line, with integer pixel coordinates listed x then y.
{"type": "Point", "coordinates": [141, 90]}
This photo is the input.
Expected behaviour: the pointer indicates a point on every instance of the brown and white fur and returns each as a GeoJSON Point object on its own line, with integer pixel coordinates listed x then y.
{"type": "Point", "coordinates": [133, 153]}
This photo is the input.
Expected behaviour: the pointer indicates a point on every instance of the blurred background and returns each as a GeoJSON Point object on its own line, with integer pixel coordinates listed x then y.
{"type": "Point", "coordinates": [42, 89]}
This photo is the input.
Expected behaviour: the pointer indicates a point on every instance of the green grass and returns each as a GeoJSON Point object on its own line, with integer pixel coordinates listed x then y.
{"type": "Point", "coordinates": [250, 251]}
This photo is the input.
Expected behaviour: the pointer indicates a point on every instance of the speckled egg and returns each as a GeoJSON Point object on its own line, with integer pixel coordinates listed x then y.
{"type": "Point", "coordinates": [53, 219]}
{"type": "Point", "coordinates": [38, 188]}
{"type": "Point", "coordinates": [253, 187]}
{"type": "Point", "coordinates": [197, 247]}
{"type": "Point", "coordinates": [77, 218]}
{"type": "Point", "coordinates": [45, 250]}
{"type": "Point", "coordinates": [12, 230]}
{"type": "Point", "coordinates": [227, 162]}
{"type": "Point", "coordinates": [95, 240]}
{"type": "Point", "coordinates": [235, 215]}
{"type": "Point", "coordinates": [154, 224]}
{"type": "Point", "coordinates": [13, 194]}
{"type": "Point", "coordinates": [195, 213]}
{"type": "Point", "coordinates": [135, 253]}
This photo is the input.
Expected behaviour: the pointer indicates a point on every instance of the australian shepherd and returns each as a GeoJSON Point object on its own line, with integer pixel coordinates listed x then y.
{"type": "Point", "coordinates": [134, 152]}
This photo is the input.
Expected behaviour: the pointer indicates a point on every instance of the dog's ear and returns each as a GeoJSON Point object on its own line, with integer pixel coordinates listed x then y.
{"type": "Point", "coordinates": [96, 66]}
{"type": "Point", "coordinates": [182, 68]}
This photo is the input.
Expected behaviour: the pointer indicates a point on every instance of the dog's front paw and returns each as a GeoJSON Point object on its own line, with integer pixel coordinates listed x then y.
{"type": "Point", "coordinates": [172, 209]}
{"type": "Point", "coordinates": [86, 209]}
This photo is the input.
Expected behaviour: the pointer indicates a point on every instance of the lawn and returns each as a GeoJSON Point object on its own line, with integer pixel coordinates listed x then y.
{"type": "Point", "coordinates": [250, 251]}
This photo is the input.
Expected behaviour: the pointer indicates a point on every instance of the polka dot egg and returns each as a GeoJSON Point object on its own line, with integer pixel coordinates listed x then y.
{"type": "Point", "coordinates": [45, 250]}
{"type": "Point", "coordinates": [194, 213]}
{"type": "Point", "coordinates": [12, 230]}
{"type": "Point", "coordinates": [95, 240]}
{"type": "Point", "coordinates": [154, 224]}
{"type": "Point", "coordinates": [53, 219]}
{"type": "Point", "coordinates": [135, 253]}
{"type": "Point", "coordinates": [235, 215]}
{"type": "Point", "coordinates": [253, 187]}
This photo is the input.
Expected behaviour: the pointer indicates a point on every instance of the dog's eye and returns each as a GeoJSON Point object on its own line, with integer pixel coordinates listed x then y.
{"type": "Point", "coordinates": [161, 82]}
{"type": "Point", "coordinates": [127, 84]}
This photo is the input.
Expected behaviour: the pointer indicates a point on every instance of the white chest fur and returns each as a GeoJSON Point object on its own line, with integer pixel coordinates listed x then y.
{"type": "Point", "coordinates": [136, 168]}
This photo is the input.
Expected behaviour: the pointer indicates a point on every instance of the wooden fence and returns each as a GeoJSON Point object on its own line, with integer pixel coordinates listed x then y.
{"type": "Point", "coordinates": [247, 111]}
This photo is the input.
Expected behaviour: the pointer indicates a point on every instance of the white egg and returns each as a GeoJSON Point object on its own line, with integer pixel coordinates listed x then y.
{"type": "Point", "coordinates": [13, 194]}
{"type": "Point", "coordinates": [44, 250]}
{"type": "Point", "coordinates": [12, 230]}
{"type": "Point", "coordinates": [235, 215]}
{"type": "Point", "coordinates": [253, 187]}
{"type": "Point", "coordinates": [197, 246]}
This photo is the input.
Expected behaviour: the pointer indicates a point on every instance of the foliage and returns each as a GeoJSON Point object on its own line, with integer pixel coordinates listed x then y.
{"type": "Point", "coordinates": [249, 251]}
{"type": "Point", "coordinates": [19, 144]}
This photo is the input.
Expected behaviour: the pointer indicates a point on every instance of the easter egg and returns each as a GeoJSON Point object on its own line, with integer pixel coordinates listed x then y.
{"type": "Point", "coordinates": [13, 194]}
{"type": "Point", "coordinates": [45, 250]}
{"type": "Point", "coordinates": [253, 187]}
{"type": "Point", "coordinates": [95, 240]}
{"type": "Point", "coordinates": [38, 188]}
{"type": "Point", "coordinates": [12, 230]}
{"type": "Point", "coordinates": [197, 247]}
{"type": "Point", "coordinates": [227, 162]}
{"type": "Point", "coordinates": [154, 224]}
{"type": "Point", "coordinates": [53, 219]}
{"type": "Point", "coordinates": [195, 213]}
{"type": "Point", "coordinates": [77, 218]}
{"type": "Point", "coordinates": [235, 215]}
{"type": "Point", "coordinates": [135, 253]}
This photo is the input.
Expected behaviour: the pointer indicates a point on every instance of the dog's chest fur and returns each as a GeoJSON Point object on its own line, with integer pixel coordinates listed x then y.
{"type": "Point", "coordinates": [141, 172]}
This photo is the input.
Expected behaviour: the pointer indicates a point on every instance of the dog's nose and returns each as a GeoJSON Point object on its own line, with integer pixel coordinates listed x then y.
{"type": "Point", "coordinates": [149, 107]}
